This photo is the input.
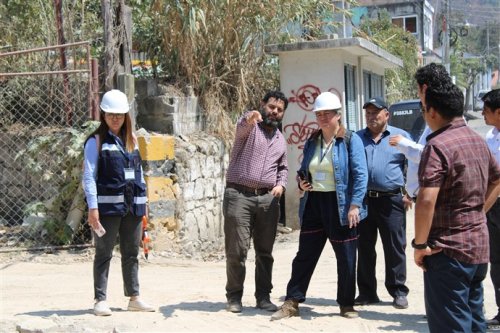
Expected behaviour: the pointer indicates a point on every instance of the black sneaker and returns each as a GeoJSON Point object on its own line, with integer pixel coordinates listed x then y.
{"type": "Point", "coordinates": [365, 300]}
{"type": "Point", "coordinates": [234, 306]}
{"type": "Point", "coordinates": [400, 302]}
{"type": "Point", "coordinates": [494, 323]}
{"type": "Point", "coordinates": [265, 304]}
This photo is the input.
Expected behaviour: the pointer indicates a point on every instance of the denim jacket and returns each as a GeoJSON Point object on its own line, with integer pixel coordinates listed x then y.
{"type": "Point", "coordinates": [351, 173]}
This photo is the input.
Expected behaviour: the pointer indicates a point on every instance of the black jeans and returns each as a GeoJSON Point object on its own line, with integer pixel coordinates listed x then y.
{"type": "Point", "coordinates": [321, 222]}
{"type": "Point", "coordinates": [387, 215]}
{"type": "Point", "coordinates": [129, 228]}
{"type": "Point", "coordinates": [248, 216]}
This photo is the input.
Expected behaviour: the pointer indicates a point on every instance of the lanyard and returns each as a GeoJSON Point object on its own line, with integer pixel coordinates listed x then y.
{"type": "Point", "coordinates": [120, 146]}
{"type": "Point", "coordinates": [326, 150]}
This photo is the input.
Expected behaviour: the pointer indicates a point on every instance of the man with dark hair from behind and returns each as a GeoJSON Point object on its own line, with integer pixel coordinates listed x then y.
{"type": "Point", "coordinates": [434, 75]}
{"type": "Point", "coordinates": [457, 177]}
{"type": "Point", "coordinates": [491, 113]}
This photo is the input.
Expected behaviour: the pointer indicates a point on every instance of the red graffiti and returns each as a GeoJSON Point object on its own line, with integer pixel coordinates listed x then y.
{"type": "Point", "coordinates": [305, 96]}
{"type": "Point", "coordinates": [298, 133]}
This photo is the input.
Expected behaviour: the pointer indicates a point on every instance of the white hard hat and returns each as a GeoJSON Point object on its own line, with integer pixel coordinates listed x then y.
{"type": "Point", "coordinates": [114, 101]}
{"type": "Point", "coordinates": [327, 101]}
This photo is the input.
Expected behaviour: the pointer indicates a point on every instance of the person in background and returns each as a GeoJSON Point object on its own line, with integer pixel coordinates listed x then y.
{"type": "Point", "coordinates": [256, 179]}
{"type": "Point", "coordinates": [428, 75]}
{"type": "Point", "coordinates": [333, 178]}
{"type": "Point", "coordinates": [386, 209]}
{"type": "Point", "coordinates": [458, 176]}
{"type": "Point", "coordinates": [116, 197]}
{"type": "Point", "coordinates": [491, 113]}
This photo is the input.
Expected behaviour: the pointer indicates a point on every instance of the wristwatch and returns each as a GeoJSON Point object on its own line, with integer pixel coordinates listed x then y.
{"type": "Point", "coordinates": [418, 246]}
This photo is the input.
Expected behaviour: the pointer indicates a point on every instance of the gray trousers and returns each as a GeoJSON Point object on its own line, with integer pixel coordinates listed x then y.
{"type": "Point", "coordinates": [248, 216]}
{"type": "Point", "coordinates": [129, 228]}
{"type": "Point", "coordinates": [493, 216]}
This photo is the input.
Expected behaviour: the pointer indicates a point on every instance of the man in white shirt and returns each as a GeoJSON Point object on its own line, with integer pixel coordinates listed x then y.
{"type": "Point", "coordinates": [491, 114]}
{"type": "Point", "coordinates": [428, 75]}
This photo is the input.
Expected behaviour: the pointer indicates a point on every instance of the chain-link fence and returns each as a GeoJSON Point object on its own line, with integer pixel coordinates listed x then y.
{"type": "Point", "coordinates": [43, 121]}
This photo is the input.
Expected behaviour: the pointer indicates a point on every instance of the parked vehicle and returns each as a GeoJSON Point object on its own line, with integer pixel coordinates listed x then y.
{"type": "Point", "coordinates": [478, 105]}
{"type": "Point", "coordinates": [407, 115]}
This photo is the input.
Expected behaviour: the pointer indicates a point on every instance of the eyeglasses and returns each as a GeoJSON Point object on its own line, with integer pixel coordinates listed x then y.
{"type": "Point", "coordinates": [114, 115]}
{"type": "Point", "coordinates": [327, 114]}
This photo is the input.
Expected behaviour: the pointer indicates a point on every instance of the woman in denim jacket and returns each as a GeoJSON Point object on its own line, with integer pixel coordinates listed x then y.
{"type": "Point", "coordinates": [333, 179]}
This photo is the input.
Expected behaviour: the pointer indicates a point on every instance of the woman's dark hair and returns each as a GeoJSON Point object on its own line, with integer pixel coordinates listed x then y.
{"type": "Point", "coordinates": [126, 133]}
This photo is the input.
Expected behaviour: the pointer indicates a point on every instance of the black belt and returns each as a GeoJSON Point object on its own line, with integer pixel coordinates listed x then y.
{"type": "Point", "coordinates": [377, 194]}
{"type": "Point", "coordinates": [248, 190]}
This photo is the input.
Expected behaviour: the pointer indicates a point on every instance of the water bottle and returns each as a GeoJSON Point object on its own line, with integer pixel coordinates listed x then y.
{"type": "Point", "coordinates": [99, 230]}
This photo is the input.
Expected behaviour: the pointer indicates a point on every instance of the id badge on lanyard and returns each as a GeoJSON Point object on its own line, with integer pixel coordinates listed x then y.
{"type": "Point", "coordinates": [129, 173]}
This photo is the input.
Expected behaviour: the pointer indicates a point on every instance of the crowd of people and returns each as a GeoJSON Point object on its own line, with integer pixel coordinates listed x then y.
{"type": "Point", "coordinates": [354, 186]}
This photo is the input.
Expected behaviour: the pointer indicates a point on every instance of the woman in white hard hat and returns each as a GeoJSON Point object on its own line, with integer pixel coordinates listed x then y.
{"type": "Point", "coordinates": [116, 197]}
{"type": "Point", "coordinates": [333, 178]}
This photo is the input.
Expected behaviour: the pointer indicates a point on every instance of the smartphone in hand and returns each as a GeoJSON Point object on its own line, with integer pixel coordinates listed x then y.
{"type": "Point", "coordinates": [303, 175]}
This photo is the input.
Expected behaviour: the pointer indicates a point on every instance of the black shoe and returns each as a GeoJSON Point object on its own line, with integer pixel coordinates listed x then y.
{"type": "Point", "coordinates": [494, 323]}
{"type": "Point", "coordinates": [265, 304]}
{"type": "Point", "coordinates": [365, 300]}
{"type": "Point", "coordinates": [400, 302]}
{"type": "Point", "coordinates": [234, 306]}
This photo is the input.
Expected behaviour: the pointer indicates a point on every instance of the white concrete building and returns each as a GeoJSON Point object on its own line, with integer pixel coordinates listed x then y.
{"type": "Point", "coordinates": [352, 68]}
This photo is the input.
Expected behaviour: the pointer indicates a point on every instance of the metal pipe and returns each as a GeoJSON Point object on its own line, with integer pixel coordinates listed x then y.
{"type": "Point", "coordinates": [41, 49]}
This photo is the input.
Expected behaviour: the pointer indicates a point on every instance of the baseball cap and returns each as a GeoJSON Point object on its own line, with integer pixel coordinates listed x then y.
{"type": "Point", "coordinates": [378, 102]}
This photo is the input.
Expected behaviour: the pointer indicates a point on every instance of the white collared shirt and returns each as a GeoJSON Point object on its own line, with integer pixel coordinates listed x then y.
{"type": "Point", "coordinates": [493, 141]}
{"type": "Point", "coordinates": [413, 151]}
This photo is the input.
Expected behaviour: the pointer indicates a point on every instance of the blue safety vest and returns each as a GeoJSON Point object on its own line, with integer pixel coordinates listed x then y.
{"type": "Point", "coordinates": [117, 195]}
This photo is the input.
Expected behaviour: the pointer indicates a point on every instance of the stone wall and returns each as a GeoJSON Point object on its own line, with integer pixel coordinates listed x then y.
{"type": "Point", "coordinates": [185, 179]}
{"type": "Point", "coordinates": [185, 189]}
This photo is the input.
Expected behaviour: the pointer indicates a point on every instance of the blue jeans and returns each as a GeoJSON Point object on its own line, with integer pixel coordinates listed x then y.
{"type": "Point", "coordinates": [454, 295]}
{"type": "Point", "coordinates": [493, 216]}
{"type": "Point", "coordinates": [321, 223]}
{"type": "Point", "coordinates": [129, 228]}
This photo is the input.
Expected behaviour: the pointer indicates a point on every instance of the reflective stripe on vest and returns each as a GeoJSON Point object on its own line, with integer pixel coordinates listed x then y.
{"type": "Point", "coordinates": [110, 199]}
{"type": "Point", "coordinates": [140, 200]}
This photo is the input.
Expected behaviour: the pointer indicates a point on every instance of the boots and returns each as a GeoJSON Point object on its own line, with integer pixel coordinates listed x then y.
{"type": "Point", "coordinates": [289, 309]}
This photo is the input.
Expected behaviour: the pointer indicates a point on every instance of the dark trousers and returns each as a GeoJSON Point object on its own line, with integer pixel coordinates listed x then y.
{"type": "Point", "coordinates": [454, 295]}
{"type": "Point", "coordinates": [249, 216]}
{"type": "Point", "coordinates": [321, 222]}
{"type": "Point", "coordinates": [387, 215]}
{"type": "Point", "coordinates": [493, 216]}
{"type": "Point", "coordinates": [129, 229]}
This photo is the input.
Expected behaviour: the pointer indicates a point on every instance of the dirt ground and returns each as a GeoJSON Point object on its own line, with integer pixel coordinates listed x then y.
{"type": "Point", "coordinates": [53, 293]}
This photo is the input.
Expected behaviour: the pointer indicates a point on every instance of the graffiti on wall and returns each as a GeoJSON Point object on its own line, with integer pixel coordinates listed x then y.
{"type": "Point", "coordinates": [296, 133]}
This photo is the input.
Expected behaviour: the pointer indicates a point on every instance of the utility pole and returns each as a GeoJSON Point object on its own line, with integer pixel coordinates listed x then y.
{"type": "Point", "coordinates": [446, 37]}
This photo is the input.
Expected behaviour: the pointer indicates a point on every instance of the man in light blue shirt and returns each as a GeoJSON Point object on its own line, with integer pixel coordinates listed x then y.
{"type": "Point", "coordinates": [386, 209]}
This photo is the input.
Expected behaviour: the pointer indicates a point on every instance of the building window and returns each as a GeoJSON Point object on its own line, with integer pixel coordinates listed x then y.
{"type": "Point", "coordinates": [373, 85]}
{"type": "Point", "coordinates": [409, 23]}
{"type": "Point", "coordinates": [351, 110]}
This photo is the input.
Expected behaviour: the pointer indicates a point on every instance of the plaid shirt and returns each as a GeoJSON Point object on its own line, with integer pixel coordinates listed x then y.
{"type": "Point", "coordinates": [458, 161]}
{"type": "Point", "coordinates": [258, 159]}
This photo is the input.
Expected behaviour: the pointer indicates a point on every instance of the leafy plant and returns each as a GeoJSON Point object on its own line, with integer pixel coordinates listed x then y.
{"type": "Point", "coordinates": [217, 47]}
{"type": "Point", "coordinates": [400, 83]}
{"type": "Point", "coordinates": [57, 159]}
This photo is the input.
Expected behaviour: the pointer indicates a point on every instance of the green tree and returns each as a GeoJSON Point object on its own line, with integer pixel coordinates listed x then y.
{"type": "Point", "coordinates": [400, 83]}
